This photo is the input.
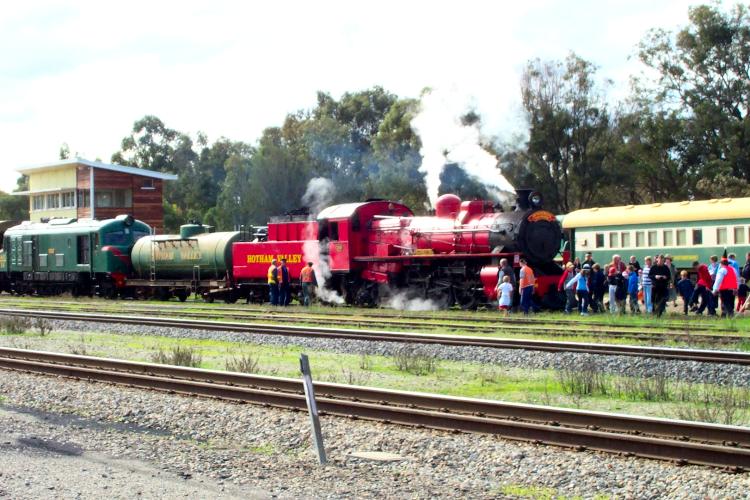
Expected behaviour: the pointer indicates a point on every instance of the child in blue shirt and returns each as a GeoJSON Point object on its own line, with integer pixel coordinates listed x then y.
{"type": "Point", "coordinates": [685, 288]}
{"type": "Point", "coordinates": [633, 289]}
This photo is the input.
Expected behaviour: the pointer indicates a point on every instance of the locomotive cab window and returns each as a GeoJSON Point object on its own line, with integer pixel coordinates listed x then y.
{"type": "Point", "coordinates": [333, 231]}
{"type": "Point", "coordinates": [117, 238]}
{"type": "Point", "coordinates": [83, 254]}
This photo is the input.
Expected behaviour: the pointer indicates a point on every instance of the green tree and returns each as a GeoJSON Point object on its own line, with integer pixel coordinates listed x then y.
{"type": "Point", "coordinates": [703, 80]}
{"type": "Point", "coordinates": [570, 142]}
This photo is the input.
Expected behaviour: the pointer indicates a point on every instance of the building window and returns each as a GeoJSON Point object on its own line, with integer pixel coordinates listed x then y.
{"type": "Point", "coordinates": [37, 202]}
{"type": "Point", "coordinates": [652, 238]}
{"type": "Point", "coordinates": [640, 239]}
{"type": "Point", "coordinates": [625, 240]}
{"type": "Point", "coordinates": [53, 200]}
{"type": "Point", "coordinates": [613, 240]}
{"type": "Point", "coordinates": [599, 240]}
{"type": "Point", "coordinates": [668, 237]}
{"type": "Point", "coordinates": [681, 237]}
{"type": "Point", "coordinates": [68, 199]}
{"type": "Point", "coordinates": [697, 236]}
{"type": "Point", "coordinates": [721, 236]}
{"type": "Point", "coordinates": [84, 198]}
{"type": "Point", "coordinates": [148, 183]}
{"type": "Point", "coordinates": [739, 235]}
{"type": "Point", "coordinates": [120, 198]}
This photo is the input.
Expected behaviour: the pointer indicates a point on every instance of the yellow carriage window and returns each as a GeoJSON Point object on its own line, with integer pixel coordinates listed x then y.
{"type": "Point", "coordinates": [613, 240]}
{"type": "Point", "coordinates": [697, 236]}
{"type": "Point", "coordinates": [625, 240]}
{"type": "Point", "coordinates": [681, 237]}
{"type": "Point", "coordinates": [739, 235]}
{"type": "Point", "coordinates": [668, 237]}
{"type": "Point", "coordinates": [721, 236]}
{"type": "Point", "coordinates": [600, 240]}
{"type": "Point", "coordinates": [640, 238]}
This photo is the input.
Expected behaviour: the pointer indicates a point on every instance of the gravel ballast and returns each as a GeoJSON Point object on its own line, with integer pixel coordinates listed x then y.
{"type": "Point", "coordinates": [207, 448]}
{"type": "Point", "coordinates": [690, 371]}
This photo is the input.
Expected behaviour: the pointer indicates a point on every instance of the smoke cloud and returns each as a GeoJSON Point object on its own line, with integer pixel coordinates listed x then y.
{"type": "Point", "coordinates": [319, 194]}
{"type": "Point", "coordinates": [448, 137]}
{"type": "Point", "coordinates": [403, 302]}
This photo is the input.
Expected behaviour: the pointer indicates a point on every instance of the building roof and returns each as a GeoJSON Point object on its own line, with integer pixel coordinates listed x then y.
{"type": "Point", "coordinates": [655, 213]}
{"type": "Point", "coordinates": [97, 164]}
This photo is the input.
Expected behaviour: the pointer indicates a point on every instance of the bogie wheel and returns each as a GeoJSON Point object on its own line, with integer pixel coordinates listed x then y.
{"type": "Point", "coordinates": [181, 295]}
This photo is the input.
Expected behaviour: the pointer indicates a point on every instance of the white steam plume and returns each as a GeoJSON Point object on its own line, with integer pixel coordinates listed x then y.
{"type": "Point", "coordinates": [446, 139]}
{"type": "Point", "coordinates": [319, 194]}
{"type": "Point", "coordinates": [402, 302]}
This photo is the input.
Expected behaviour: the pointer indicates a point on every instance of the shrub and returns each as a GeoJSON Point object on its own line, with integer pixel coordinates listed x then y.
{"type": "Point", "coordinates": [178, 356]}
{"type": "Point", "coordinates": [415, 361]}
{"type": "Point", "coordinates": [15, 325]}
{"type": "Point", "coordinates": [43, 325]}
{"type": "Point", "coordinates": [586, 380]}
{"type": "Point", "coordinates": [245, 363]}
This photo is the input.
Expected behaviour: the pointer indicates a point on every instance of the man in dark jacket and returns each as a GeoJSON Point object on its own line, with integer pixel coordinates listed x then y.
{"type": "Point", "coordinates": [285, 296]}
{"type": "Point", "coordinates": [746, 270]}
{"type": "Point", "coordinates": [661, 276]}
{"type": "Point", "coordinates": [598, 287]}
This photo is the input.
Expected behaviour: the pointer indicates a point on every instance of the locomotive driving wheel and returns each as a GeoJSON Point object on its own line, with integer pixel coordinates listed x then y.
{"type": "Point", "coordinates": [465, 297]}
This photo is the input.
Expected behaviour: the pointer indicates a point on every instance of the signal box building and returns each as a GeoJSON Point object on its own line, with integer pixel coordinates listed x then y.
{"type": "Point", "coordinates": [66, 188]}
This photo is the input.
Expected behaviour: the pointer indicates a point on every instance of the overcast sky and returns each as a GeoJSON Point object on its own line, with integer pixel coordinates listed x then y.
{"type": "Point", "coordinates": [83, 72]}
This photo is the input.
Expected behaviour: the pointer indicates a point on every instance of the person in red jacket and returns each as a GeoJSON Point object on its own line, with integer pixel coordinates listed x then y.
{"type": "Point", "coordinates": [570, 294]}
{"type": "Point", "coordinates": [725, 286]}
{"type": "Point", "coordinates": [702, 289]}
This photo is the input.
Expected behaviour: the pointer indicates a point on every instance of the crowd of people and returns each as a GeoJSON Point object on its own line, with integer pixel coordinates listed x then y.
{"type": "Point", "coordinates": [628, 286]}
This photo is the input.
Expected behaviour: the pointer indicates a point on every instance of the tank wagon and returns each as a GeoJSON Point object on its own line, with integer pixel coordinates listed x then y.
{"type": "Point", "coordinates": [84, 257]}
{"type": "Point", "coordinates": [197, 260]}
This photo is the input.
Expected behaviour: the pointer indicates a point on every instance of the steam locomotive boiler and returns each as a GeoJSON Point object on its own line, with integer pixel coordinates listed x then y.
{"type": "Point", "coordinates": [449, 258]}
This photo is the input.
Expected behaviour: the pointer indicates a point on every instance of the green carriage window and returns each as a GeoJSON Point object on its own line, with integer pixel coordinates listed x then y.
{"type": "Point", "coordinates": [625, 240]}
{"type": "Point", "coordinates": [640, 239]}
{"type": "Point", "coordinates": [599, 240]}
{"type": "Point", "coordinates": [668, 237]}
{"type": "Point", "coordinates": [739, 235]}
{"type": "Point", "coordinates": [721, 236]}
{"type": "Point", "coordinates": [613, 240]}
{"type": "Point", "coordinates": [697, 236]}
{"type": "Point", "coordinates": [681, 237]}
{"type": "Point", "coordinates": [652, 238]}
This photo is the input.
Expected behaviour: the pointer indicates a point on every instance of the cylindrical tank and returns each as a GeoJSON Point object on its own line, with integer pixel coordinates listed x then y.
{"type": "Point", "coordinates": [202, 255]}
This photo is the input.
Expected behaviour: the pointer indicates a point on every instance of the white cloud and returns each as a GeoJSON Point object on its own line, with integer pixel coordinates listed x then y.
{"type": "Point", "coordinates": [83, 72]}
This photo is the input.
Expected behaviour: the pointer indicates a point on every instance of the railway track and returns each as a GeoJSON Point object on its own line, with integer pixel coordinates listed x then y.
{"type": "Point", "coordinates": [680, 441]}
{"type": "Point", "coordinates": [518, 327]}
{"type": "Point", "coordinates": [692, 324]}
{"type": "Point", "coordinates": [700, 355]}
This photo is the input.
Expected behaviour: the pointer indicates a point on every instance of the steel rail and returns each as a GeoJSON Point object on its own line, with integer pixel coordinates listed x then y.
{"type": "Point", "coordinates": [236, 314]}
{"type": "Point", "coordinates": [419, 409]}
{"type": "Point", "coordinates": [686, 324]}
{"type": "Point", "coordinates": [669, 353]}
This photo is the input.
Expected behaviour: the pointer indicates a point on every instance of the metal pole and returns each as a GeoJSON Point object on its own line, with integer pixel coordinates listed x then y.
{"type": "Point", "coordinates": [312, 408]}
{"type": "Point", "coordinates": [91, 190]}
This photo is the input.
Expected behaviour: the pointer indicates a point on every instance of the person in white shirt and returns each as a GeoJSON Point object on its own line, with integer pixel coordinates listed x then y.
{"type": "Point", "coordinates": [505, 295]}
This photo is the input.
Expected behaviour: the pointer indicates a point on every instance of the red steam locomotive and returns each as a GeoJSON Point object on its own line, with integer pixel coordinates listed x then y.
{"type": "Point", "coordinates": [365, 253]}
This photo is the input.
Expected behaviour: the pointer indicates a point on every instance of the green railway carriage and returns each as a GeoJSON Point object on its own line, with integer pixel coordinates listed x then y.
{"type": "Point", "coordinates": [81, 256]}
{"type": "Point", "coordinates": [688, 230]}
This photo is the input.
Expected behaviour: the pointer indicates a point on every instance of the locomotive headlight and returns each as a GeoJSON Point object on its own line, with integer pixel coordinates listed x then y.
{"type": "Point", "coordinates": [535, 199]}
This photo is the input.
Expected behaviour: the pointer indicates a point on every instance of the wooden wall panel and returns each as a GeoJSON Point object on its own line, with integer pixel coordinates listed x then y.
{"type": "Point", "coordinates": [147, 202]}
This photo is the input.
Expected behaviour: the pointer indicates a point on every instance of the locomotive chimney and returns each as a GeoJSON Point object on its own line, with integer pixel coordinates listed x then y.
{"type": "Point", "coordinates": [522, 199]}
